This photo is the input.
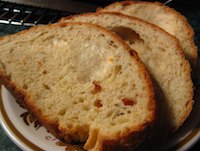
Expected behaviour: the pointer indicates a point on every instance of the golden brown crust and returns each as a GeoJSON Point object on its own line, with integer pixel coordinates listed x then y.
{"type": "Point", "coordinates": [137, 132]}
{"type": "Point", "coordinates": [187, 28]}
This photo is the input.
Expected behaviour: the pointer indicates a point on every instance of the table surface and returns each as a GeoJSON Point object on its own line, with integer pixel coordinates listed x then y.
{"type": "Point", "coordinates": [192, 12]}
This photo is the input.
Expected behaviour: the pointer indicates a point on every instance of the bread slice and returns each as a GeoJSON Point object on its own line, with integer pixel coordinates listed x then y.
{"type": "Point", "coordinates": [81, 82]}
{"type": "Point", "coordinates": [160, 52]}
{"type": "Point", "coordinates": [164, 17]}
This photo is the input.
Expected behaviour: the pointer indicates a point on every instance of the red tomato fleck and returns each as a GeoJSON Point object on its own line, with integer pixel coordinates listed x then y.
{"type": "Point", "coordinates": [98, 103]}
{"type": "Point", "coordinates": [127, 101]}
{"type": "Point", "coordinates": [97, 87]}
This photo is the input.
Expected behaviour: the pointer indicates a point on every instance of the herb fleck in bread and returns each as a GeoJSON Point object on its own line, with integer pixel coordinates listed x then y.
{"type": "Point", "coordinates": [81, 82]}
{"type": "Point", "coordinates": [160, 52]}
{"type": "Point", "coordinates": [164, 17]}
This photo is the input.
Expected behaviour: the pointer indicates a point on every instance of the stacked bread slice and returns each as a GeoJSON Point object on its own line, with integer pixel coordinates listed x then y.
{"type": "Point", "coordinates": [164, 17]}
{"type": "Point", "coordinates": [102, 79]}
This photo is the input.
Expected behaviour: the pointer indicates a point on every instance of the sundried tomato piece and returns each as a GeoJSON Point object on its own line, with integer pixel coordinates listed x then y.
{"type": "Point", "coordinates": [97, 87]}
{"type": "Point", "coordinates": [128, 101]}
{"type": "Point", "coordinates": [98, 103]}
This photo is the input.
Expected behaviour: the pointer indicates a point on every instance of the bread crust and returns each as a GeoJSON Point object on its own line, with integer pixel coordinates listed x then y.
{"type": "Point", "coordinates": [188, 30]}
{"type": "Point", "coordinates": [128, 139]}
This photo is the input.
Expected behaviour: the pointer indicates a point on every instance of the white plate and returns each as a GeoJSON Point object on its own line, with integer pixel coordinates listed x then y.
{"type": "Point", "coordinates": [14, 121]}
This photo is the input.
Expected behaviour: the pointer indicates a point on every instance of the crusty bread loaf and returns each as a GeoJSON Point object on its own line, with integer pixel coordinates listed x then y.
{"type": "Point", "coordinates": [81, 82]}
{"type": "Point", "coordinates": [164, 17]}
{"type": "Point", "coordinates": [161, 53]}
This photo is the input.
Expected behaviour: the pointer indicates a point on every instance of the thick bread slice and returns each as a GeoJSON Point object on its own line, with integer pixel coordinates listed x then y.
{"type": "Point", "coordinates": [81, 82]}
{"type": "Point", "coordinates": [164, 17]}
{"type": "Point", "coordinates": [160, 52]}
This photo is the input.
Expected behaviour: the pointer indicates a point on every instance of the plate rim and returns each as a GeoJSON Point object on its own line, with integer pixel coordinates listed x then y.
{"type": "Point", "coordinates": [15, 136]}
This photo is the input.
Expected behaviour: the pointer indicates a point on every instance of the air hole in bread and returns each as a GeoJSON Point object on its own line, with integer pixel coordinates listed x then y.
{"type": "Point", "coordinates": [2, 65]}
{"type": "Point", "coordinates": [124, 84]}
{"type": "Point", "coordinates": [112, 43]}
{"type": "Point", "coordinates": [81, 100]}
{"type": "Point", "coordinates": [78, 100]}
{"type": "Point", "coordinates": [74, 102]}
{"type": "Point", "coordinates": [46, 86]}
{"type": "Point", "coordinates": [127, 34]}
{"type": "Point", "coordinates": [112, 123]}
{"type": "Point", "coordinates": [118, 69]}
{"type": "Point", "coordinates": [85, 107]}
{"type": "Point", "coordinates": [102, 35]}
{"type": "Point", "coordinates": [117, 114]}
{"type": "Point", "coordinates": [11, 50]}
{"type": "Point", "coordinates": [50, 37]}
{"type": "Point", "coordinates": [25, 86]}
{"type": "Point", "coordinates": [161, 49]}
{"type": "Point", "coordinates": [40, 63]}
{"type": "Point", "coordinates": [61, 77]}
{"type": "Point", "coordinates": [83, 92]}
{"type": "Point", "coordinates": [129, 112]}
{"type": "Point", "coordinates": [62, 112]}
{"type": "Point", "coordinates": [44, 72]}
{"type": "Point", "coordinates": [109, 113]}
